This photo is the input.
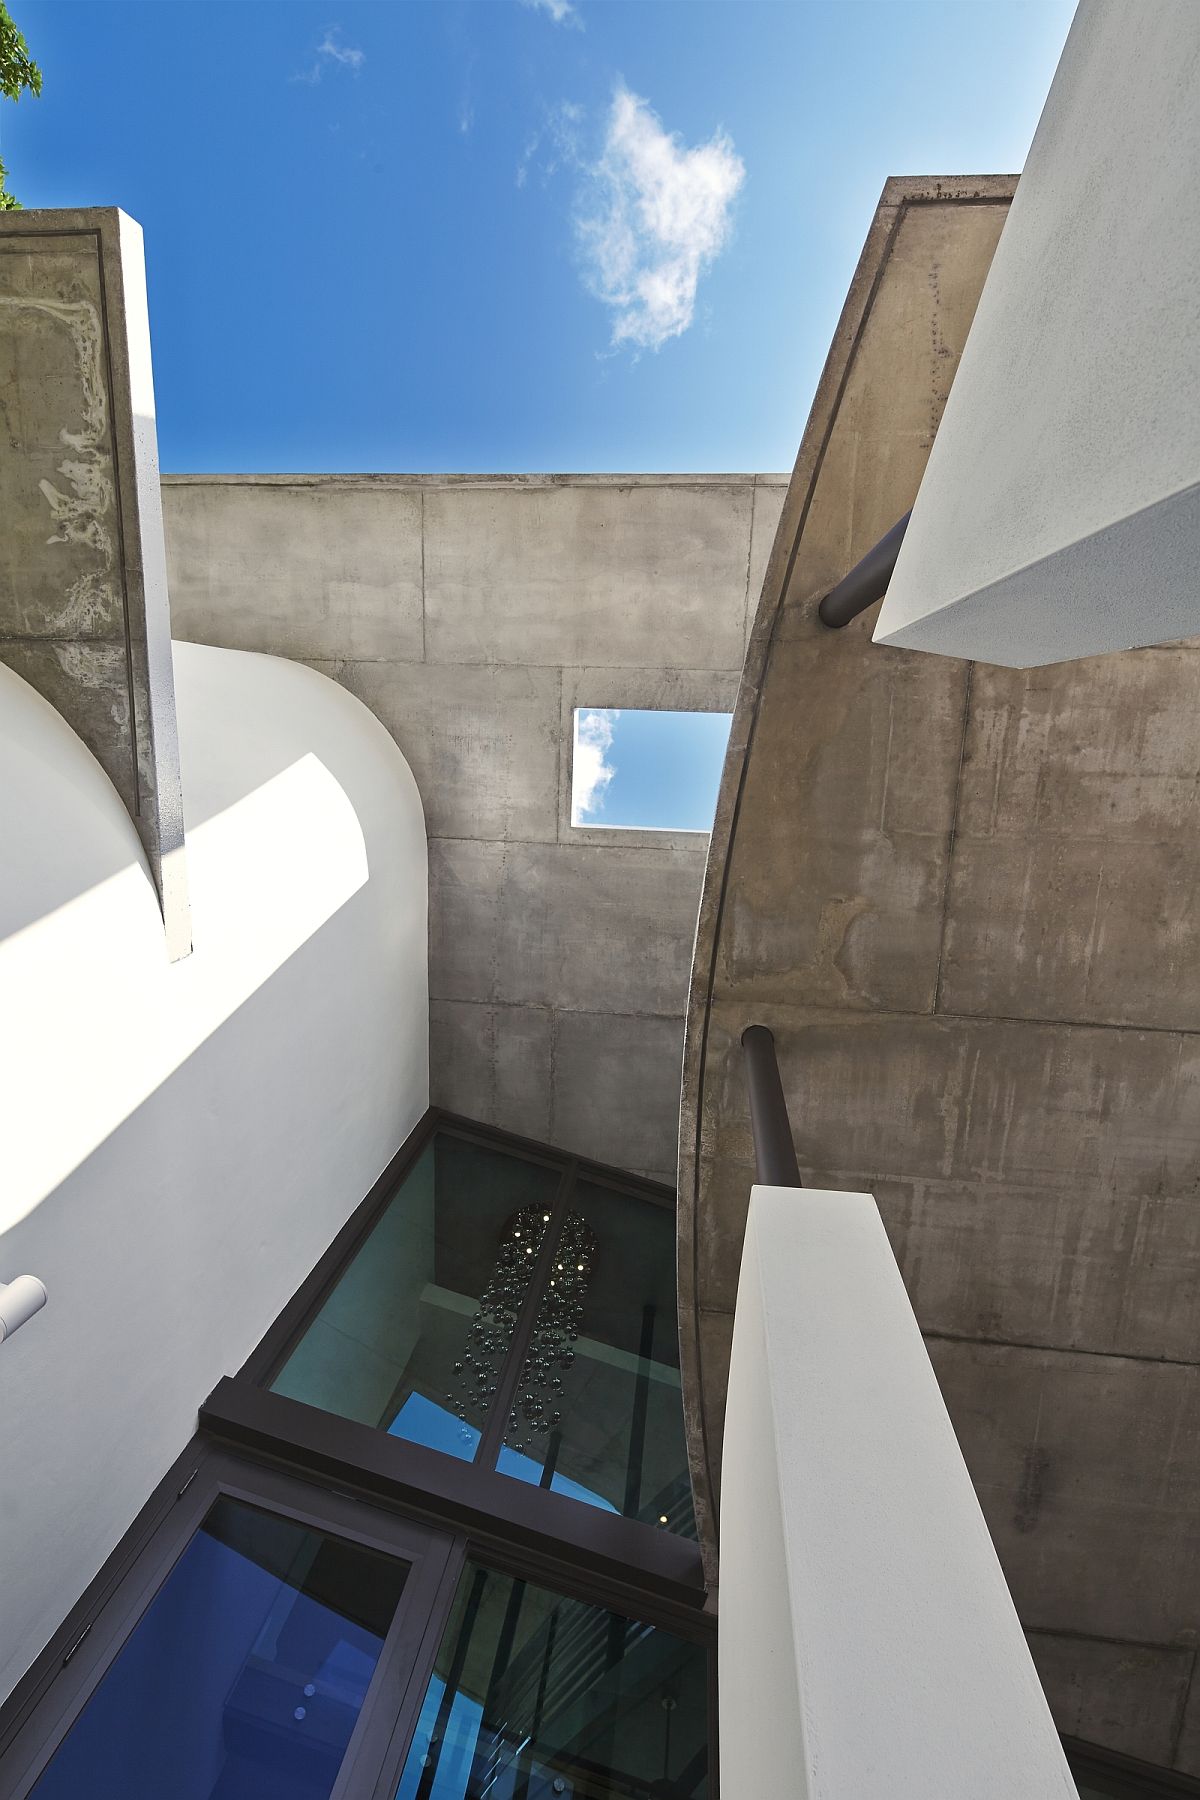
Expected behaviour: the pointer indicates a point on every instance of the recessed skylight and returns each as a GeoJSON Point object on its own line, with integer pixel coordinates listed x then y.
{"type": "Point", "coordinates": [646, 771]}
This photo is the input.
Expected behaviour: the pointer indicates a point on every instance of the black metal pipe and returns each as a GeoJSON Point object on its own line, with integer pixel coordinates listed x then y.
{"type": "Point", "coordinates": [866, 582]}
{"type": "Point", "coordinates": [774, 1152]}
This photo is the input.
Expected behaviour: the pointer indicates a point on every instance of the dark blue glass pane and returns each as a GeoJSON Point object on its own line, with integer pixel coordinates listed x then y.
{"type": "Point", "coordinates": [537, 1697]}
{"type": "Point", "coordinates": [244, 1678]}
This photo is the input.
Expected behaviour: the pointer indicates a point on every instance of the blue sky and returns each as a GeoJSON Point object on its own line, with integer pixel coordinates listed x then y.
{"type": "Point", "coordinates": [656, 771]}
{"type": "Point", "coordinates": [473, 235]}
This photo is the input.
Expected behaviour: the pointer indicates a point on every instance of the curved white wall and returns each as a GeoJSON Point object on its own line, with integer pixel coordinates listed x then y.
{"type": "Point", "coordinates": [180, 1142]}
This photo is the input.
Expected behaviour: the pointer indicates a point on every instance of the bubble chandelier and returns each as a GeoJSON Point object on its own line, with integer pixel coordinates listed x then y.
{"type": "Point", "coordinates": [535, 1411]}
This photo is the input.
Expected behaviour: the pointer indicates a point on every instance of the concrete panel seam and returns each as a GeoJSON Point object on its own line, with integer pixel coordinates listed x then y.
{"type": "Point", "coordinates": [749, 561]}
{"type": "Point", "coordinates": [1062, 1633]}
{"type": "Point", "coordinates": [994, 1343]}
{"type": "Point", "coordinates": [628, 672]}
{"type": "Point", "coordinates": [559, 1010]}
{"type": "Point", "coordinates": [1181, 1710]}
{"type": "Point", "coordinates": [560, 790]}
{"type": "Point", "coordinates": [552, 1073]}
{"type": "Point", "coordinates": [424, 652]}
{"type": "Point", "coordinates": [682, 852]}
{"type": "Point", "coordinates": [952, 840]}
{"type": "Point", "coordinates": [30, 637]}
{"type": "Point", "coordinates": [408, 662]}
{"type": "Point", "coordinates": [849, 1014]}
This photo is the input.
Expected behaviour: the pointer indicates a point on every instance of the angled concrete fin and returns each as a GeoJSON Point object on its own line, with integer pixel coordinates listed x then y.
{"type": "Point", "coordinates": [84, 616]}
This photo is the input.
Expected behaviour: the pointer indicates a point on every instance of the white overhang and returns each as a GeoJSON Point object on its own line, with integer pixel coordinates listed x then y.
{"type": "Point", "coordinates": [1059, 515]}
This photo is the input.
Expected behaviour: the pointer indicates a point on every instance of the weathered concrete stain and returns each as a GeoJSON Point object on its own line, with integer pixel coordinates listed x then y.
{"type": "Point", "coordinates": [83, 603]}
{"type": "Point", "coordinates": [85, 515]}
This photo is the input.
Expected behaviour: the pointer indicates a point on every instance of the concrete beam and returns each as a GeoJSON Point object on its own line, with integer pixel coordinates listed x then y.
{"type": "Point", "coordinates": [643, 577]}
{"type": "Point", "coordinates": [314, 570]}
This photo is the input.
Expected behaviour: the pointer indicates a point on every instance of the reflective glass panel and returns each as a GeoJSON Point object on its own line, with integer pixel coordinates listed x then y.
{"type": "Point", "coordinates": [244, 1678]}
{"type": "Point", "coordinates": [599, 1411]}
{"type": "Point", "coordinates": [413, 1335]}
{"type": "Point", "coordinates": [536, 1697]}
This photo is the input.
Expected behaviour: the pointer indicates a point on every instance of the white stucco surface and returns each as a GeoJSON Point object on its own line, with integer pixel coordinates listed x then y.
{"type": "Point", "coordinates": [869, 1649]}
{"type": "Point", "coordinates": [1059, 515]}
{"type": "Point", "coordinates": [181, 1142]}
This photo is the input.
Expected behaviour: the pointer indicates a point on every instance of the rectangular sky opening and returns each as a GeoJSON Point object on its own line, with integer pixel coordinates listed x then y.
{"type": "Point", "coordinates": [646, 771]}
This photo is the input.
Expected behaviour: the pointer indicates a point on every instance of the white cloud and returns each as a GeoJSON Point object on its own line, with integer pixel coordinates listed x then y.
{"type": "Point", "coordinates": [555, 141]}
{"type": "Point", "coordinates": [653, 217]}
{"type": "Point", "coordinates": [590, 772]}
{"type": "Point", "coordinates": [341, 53]}
{"type": "Point", "coordinates": [561, 11]}
{"type": "Point", "coordinates": [334, 52]}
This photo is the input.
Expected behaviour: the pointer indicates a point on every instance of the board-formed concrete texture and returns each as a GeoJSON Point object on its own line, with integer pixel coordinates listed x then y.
{"type": "Point", "coordinates": [1060, 513]}
{"type": "Point", "coordinates": [83, 588]}
{"type": "Point", "coordinates": [472, 614]}
{"type": "Point", "coordinates": [963, 899]}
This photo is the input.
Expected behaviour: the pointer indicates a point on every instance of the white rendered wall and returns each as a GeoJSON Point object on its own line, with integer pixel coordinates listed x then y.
{"type": "Point", "coordinates": [869, 1649]}
{"type": "Point", "coordinates": [1059, 515]}
{"type": "Point", "coordinates": [181, 1142]}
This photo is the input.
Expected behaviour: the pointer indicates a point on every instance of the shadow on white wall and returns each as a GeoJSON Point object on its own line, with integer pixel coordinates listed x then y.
{"type": "Point", "coordinates": [106, 1019]}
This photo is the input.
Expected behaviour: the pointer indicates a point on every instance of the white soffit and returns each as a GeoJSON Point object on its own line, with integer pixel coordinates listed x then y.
{"type": "Point", "coordinates": [1059, 515]}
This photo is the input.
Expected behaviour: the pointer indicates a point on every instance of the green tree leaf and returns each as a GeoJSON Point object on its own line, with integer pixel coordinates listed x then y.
{"type": "Point", "coordinates": [19, 74]}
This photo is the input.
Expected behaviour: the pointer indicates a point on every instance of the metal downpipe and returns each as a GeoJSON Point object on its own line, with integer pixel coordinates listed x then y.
{"type": "Point", "coordinates": [866, 582]}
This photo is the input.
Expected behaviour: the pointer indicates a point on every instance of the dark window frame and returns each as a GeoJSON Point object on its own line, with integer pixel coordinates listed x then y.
{"type": "Point", "coordinates": [314, 1466]}
{"type": "Point", "coordinates": [397, 1686]}
{"type": "Point", "coordinates": [281, 1337]}
{"type": "Point", "coordinates": [278, 1343]}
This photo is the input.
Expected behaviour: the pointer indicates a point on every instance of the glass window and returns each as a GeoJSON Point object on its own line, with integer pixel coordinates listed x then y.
{"type": "Point", "coordinates": [536, 1697]}
{"type": "Point", "coordinates": [414, 1333]}
{"type": "Point", "coordinates": [599, 1411]}
{"type": "Point", "coordinates": [245, 1677]}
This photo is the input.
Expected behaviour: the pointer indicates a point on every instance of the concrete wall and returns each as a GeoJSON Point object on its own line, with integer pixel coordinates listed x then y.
{"type": "Point", "coordinates": [964, 899]}
{"type": "Point", "coordinates": [1060, 512]}
{"type": "Point", "coordinates": [472, 614]}
{"type": "Point", "coordinates": [83, 596]}
{"type": "Point", "coordinates": [182, 1141]}
{"type": "Point", "coordinates": [869, 1648]}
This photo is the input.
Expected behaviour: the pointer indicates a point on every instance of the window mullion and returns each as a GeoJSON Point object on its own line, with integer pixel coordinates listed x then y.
{"type": "Point", "coordinates": [380, 1780]}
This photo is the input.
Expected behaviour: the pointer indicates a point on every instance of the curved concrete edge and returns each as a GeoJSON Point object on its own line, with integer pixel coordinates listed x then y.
{"type": "Point", "coordinates": [899, 193]}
